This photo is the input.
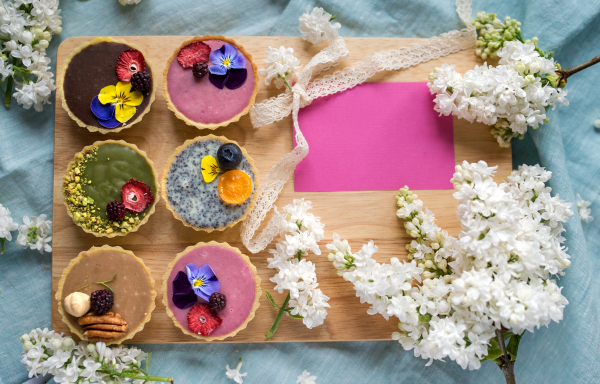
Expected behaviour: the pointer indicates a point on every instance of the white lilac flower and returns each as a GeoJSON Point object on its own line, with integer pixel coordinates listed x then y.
{"type": "Point", "coordinates": [512, 96]}
{"type": "Point", "coordinates": [234, 374]}
{"type": "Point", "coordinates": [7, 225]}
{"type": "Point", "coordinates": [583, 207]}
{"type": "Point", "coordinates": [306, 378]}
{"type": "Point", "coordinates": [453, 293]}
{"type": "Point", "coordinates": [35, 233]}
{"type": "Point", "coordinates": [316, 26]}
{"type": "Point", "coordinates": [5, 69]}
{"type": "Point", "coordinates": [281, 66]}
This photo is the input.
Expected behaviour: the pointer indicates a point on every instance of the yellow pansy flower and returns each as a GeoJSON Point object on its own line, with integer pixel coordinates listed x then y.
{"type": "Point", "coordinates": [122, 98]}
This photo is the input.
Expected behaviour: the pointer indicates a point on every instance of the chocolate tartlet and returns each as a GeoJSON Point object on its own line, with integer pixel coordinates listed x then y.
{"type": "Point", "coordinates": [110, 188]}
{"type": "Point", "coordinates": [87, 71]}
{"type": "Point", "coordinates": [194, 94]}
{"type": "Point", "coordinates": [133, 288]}
{"type": "Point", "coordinates": [194, 201]}
{"type": "Point", "coordinates": [239, 290]}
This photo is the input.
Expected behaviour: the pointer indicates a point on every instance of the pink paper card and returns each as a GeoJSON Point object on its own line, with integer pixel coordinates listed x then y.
{"type": "Point", "coordinates": [376, 136]}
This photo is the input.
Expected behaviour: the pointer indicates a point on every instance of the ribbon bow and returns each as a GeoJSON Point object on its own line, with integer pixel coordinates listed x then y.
{"type": "Point", "coordinates": [304, 92]}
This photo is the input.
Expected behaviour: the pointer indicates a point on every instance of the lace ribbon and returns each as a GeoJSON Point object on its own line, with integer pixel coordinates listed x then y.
{"type": "Point", "coordinates": [304, 92]}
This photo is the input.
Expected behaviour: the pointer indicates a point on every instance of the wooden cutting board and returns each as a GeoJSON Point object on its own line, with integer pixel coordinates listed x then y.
{"type": "Point", "coordinates": [159, 240]}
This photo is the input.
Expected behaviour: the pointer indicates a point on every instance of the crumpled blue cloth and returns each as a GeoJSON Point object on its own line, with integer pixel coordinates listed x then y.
{"type": "Point", "coordinates": [568, 352]}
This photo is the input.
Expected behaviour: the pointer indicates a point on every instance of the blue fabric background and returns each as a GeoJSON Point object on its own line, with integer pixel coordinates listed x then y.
{"type": "Point", "coordinates": [568, 146]}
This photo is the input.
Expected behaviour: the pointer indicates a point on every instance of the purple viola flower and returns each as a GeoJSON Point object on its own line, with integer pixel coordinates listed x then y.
{"type": "Point", "coordinates": [105, 113]}
{"type": "Point", "coordinates": [228, 69]}
{"type": "Point", "coordinates": [203, 280]}
{"type": "Point", "coordinates": [183, 294]}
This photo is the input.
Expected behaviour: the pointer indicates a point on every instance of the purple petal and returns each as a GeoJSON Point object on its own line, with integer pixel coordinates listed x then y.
{"type": "Point", "coordinates": [229, 51]}
{"type": "Point", "coordinates": [206, 272]}
{"type": "Point", "coordinates": [184, 301]}
{"type": "Point", "coordinates": [218, 80]}
{"type": "Point", "coordinates": [102, 111]}
{"type": "Point", "coordinates": [111, 123]}
{"type": "Point", "coordinates": [181, 284]}
{"type": "Point", "coordinates": [208, 288]}
{"type": "Point", "coordinates": [193, 272]}
{"type": "Point", "coordinates": [238, 62]}
{"type": "Point", "coordinates": [217, 56]}
{"type": "Point", "coordinates": [217, 69]}
{"type": "Point", "coordinates": [237, 78]}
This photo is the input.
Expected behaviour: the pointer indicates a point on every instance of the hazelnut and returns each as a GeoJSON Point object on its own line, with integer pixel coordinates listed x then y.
{"type": "Point", "coordinates": [77, 304]}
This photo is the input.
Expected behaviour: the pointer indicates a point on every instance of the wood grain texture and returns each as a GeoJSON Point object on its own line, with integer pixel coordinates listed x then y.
{"type": "Point", "coordinates": [356, 216]}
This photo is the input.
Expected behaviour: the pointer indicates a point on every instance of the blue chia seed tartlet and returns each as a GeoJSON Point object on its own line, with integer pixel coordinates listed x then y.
{"type": "Point", "coordinates": [194, 201]}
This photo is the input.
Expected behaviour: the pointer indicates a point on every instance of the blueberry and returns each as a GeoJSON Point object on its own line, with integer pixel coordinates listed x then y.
{"type": "Point", "coordinates": [229, 156]}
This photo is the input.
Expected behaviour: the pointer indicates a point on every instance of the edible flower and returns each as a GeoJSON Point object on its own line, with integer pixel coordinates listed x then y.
{"type": "Point", "coordinates": [203, 280]}
{"type": "Point", "coordinates": [228, 69]}
{"type": "Point", "coordinates": [115, 105]}
{"type": "Point", "coordinates": [210, 168]}
{"type": "Point", "coordinates": [183, 294]}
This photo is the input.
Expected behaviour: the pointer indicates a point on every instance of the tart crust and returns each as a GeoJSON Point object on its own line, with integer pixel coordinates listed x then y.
{"type": "Point", "coordinates": [63, 71]}
{"type": "Point", "coordinates": [61, 283]}
{"type": "Point", "coordinates": [198, 125]}
{"type": "Point", "coordinates": [156, 182]}
{"type": "Point", "coordinates": [255, 306]}
{"type": "Point", "coordinates": [170, 160]}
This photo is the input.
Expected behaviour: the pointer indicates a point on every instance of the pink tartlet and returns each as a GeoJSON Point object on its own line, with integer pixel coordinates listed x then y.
{"type": "Point", "coordinates": [239, 282]}
{"type": "Point", "coordinates": [197, 101]}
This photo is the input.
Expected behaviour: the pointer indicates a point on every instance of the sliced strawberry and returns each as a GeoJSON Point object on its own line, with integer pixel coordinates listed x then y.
{"type": "Point", "coordinates": [202, 321]}
{"type": "Point", "coordinates": [136, 195]}
{"type": "Point", "coordinates": [195, 52]}
{"type": "Point", "coordinates": [129, 62]}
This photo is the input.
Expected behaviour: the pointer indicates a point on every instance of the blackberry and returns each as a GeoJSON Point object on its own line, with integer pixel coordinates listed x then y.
{"type": "Point", "coordinates": [115, 210]}
{"type": "Point", "coordinates": [200, 70]}
{"type": "Point", "coordinates": [102, 301]}
{"type": "Point", "coordinates": [217, 302]}
{"type": "Point", "coordinates": [141, 81]}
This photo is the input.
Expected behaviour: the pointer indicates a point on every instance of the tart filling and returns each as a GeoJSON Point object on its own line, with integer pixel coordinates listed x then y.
{"type": "Point", "coordinates": [237, 297]}
{"type": "Point", "coordinates": [127, 282]}
{"type": "Point", "coordinates": [194, 198]}
{"type": "Point", "coordinates": [110, 188]}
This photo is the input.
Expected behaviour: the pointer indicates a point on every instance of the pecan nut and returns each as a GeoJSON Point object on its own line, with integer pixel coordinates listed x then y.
{"type": "Point", "coordinates": [106, 327]}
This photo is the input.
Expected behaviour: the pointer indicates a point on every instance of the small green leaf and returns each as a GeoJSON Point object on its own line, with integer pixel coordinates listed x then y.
{"type": "Point", "coordinates": [493, 354]}
{"type": "Point", "coordinates": [271, 299]}
{"type": "Point", "coordinates": [513, 346]}
{"type": "Point", "coordinates": [295, 316]}
{"type": "Point", "coordinates": [148, 363]}
{"type": "Point", "coordinates": [2, 245]}
{"type": "Point", "coordinates": [507, 335]}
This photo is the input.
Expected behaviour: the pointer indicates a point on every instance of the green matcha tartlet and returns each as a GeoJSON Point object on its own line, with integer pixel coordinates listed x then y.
{"type": "Point", "coordinates": [110, 188]}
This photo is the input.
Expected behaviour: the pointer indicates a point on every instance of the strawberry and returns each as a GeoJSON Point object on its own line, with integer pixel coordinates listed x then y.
{"type": "Point", "coordinates": [129, 62]}
{"type": "Point", "coordinates": [202, 321]}
{"type": "Point", "coordinates": [195, 52]}
{"type": "Point", "coordinates": [136, 195]}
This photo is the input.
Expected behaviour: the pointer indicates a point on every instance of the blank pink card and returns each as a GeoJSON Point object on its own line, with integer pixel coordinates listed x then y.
{"type": "Point", "coordinates": [376, 136]}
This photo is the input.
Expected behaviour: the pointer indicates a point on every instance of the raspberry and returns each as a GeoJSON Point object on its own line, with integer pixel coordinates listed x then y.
{"type": "Point", "coordinates": [129, 62]}
{"type": "Point", "coordinates": [141, 81]}
{"type": "Point", "coordinates": [102, 301]}
{"type": "Point", "coordinates": [195, 52]}
{"type": "Point", "coordinates": [217, 302]}
{"type": "Point", "coordinates": [136, 195]}
{"type": "Point", "coordinates": [202, 321]}
{"type": "Point", "coordinates": [200, 70]}
{"type": "Point", "coordinates": [115, 210]}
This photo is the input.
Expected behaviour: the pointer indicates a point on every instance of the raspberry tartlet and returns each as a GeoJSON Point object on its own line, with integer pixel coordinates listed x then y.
{"type": "Point", "coordinates": [210, 82]}
{"type": "Point", "coordinates": [106, 85]}
{"type": "Point", "coordinates": [211, 291]}
{"type": "Point", "coordinates": [110, 188]}
{"type": "Point", "coordinates": [209, 183]}
{"type": "Point", "coordinates": [119, 290]}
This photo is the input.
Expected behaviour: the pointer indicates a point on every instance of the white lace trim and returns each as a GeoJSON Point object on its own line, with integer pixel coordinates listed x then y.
{"type": "Point", "coordinates": [304, 92]}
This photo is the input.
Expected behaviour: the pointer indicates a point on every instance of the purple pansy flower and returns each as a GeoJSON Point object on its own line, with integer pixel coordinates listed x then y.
{"type": "Point", "coordinates": [183, 294]}
{"type": "Point", "coordinates": [228, 69]}
{"type": "Point", "coordinates": [203, 280]}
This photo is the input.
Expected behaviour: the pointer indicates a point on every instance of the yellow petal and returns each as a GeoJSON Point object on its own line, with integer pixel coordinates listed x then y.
{"type": "Point", "coordinates": [210, 168]}
{"type": "Point", "coordinates": [134, 99]}
{"type": "Point", "coordinates": [108, 95]}
{"type": "Point", "coordinates": [124, 112]}
{"type": "Point", "coordinates": [123, 87]}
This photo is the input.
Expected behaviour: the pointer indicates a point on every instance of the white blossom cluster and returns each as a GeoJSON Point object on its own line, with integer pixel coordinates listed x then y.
{"type": "Point", "coordinates": [7, 225]}
{"type": "Point", "coordinates": [316, 26]}
{"type": "Point", "coordinates": [453, 293]}
{"type": "Point", "coordinates": [301, 233]}
{"type": "Point", "coordinates": [47, 352]}
{"type": "Point", "coordinates": [511, 96]}
{"type": "Point", "coordinates": [306, 378]}
{"type": "Point", "coordinates": [583, 208]}
{"type": "Point", "coordinates": [35, 233]}
{"type": "Point", "coordinates": [281, 66]}
{"type": "Point", "coordinates": [26, 28]}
